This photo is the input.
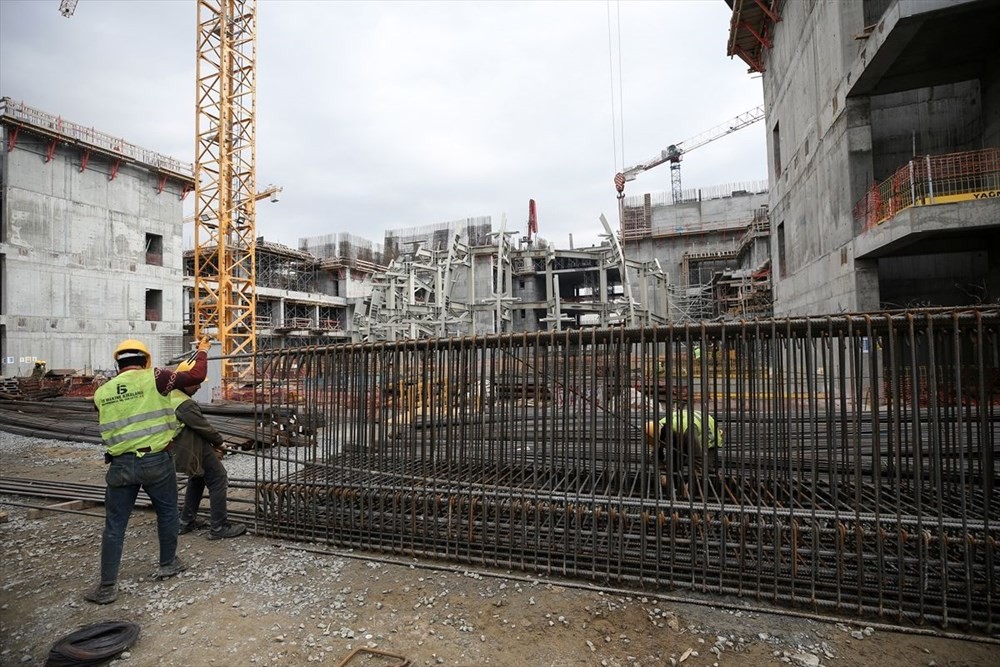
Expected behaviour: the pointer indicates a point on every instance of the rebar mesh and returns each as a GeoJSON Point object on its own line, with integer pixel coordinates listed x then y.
{"type": "Point", "coordinates": [857, 473]}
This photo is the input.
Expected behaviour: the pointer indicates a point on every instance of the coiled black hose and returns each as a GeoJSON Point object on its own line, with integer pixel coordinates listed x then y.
{"type": "Point", "coordinates": [93, 644]}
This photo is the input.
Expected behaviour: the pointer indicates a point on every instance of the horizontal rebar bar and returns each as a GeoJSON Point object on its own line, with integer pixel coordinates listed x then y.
{"type": "Point", "coordinates": [856, 465]}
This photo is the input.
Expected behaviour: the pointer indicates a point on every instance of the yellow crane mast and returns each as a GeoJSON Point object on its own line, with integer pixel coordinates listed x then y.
{"type": "Point", "coordinates": [225, 182]}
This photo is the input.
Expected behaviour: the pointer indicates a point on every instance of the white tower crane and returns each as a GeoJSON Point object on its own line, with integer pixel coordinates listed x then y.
{"type": "Point", "coordinates": [673, 152]}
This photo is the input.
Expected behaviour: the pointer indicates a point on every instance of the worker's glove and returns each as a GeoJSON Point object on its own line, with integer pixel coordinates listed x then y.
{"type": "Point", "coordinates": [219, 451]}
{"type": "Point", "coordinates": [205, 344]}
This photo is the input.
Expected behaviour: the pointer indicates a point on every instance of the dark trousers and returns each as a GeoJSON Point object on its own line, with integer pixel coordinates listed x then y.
{"type": "Point", "coordinates": [154, 474]}
{"type": "Point", "coordinates": [215, 478]}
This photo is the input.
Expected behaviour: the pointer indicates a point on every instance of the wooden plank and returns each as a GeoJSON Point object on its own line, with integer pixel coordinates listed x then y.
{"type": "Point", "coordinates": [68, 505]}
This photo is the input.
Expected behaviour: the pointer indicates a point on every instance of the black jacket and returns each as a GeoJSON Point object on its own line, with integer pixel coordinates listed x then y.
{"type": "Point", "coordinates": [189, 414]}
{"type": "Point", "coordinates": [189, 443]}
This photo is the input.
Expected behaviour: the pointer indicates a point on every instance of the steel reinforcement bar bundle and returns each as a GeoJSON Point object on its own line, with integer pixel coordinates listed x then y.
{"type": "Point", "coordinates": [855, 471]}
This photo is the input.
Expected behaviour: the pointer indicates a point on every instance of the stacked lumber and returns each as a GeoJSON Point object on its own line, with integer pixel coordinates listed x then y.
{"type": "Point", "coordinates": [31, 388]}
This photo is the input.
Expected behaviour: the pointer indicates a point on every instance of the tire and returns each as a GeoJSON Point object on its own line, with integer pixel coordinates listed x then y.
{"type": "Point", "coordinates": [93, 644]}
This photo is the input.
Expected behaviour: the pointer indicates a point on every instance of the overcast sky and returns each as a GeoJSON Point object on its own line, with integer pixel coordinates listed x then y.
{"type": "Point", "coordinates": [385, 115]}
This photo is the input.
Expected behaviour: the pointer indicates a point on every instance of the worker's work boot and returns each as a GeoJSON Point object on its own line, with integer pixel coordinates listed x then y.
{"type": "Point", "coordinates": [103, 594]}
{"type": "Point", "coordinates": [185, 528]}
{"type": "Point", "coordinates": [228, 530]}
{"type": "Point", "coordinates": [173, 568]}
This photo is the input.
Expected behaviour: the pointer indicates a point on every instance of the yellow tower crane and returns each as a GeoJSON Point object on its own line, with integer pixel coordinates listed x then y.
{"type": "Point", "coordinates": [225, 173]}
{"type": "Point", "coordinates": [225, 182]}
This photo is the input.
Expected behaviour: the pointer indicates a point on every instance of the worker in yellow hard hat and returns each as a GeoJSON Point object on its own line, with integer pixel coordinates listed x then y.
{"type": "Point", "coordinates": [196, 455]}
{"type": "Point", "coordinates": [38, 372]}
{"type": "Point", "coordinates": [138, 425]}
{"type": "Point", "coordinates": [688, 446]}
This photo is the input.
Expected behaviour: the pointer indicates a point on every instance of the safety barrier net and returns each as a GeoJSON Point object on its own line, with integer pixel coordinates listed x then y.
{"type": "Point", "coordinates": [928, 180]}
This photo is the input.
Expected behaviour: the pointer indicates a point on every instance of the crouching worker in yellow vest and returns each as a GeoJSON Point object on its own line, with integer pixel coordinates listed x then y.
{"type": "Point", "coordinates": [689, 451]}
{"type": "Point", "coordinates": [138, 425]}
{"type": "Point", "coordinates": [195, 456]}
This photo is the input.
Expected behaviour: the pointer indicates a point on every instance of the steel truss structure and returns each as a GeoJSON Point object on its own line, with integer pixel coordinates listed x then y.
{"type": "Point", "coordinates": [225, 180]}
{"type": "Point", "coordinates": [858, 471]}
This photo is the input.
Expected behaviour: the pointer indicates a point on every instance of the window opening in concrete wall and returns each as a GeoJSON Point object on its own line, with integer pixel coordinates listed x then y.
{"type": "Point", "coordinates": [776, 141]}
{"type": "Point", "coordinates": [782, 262]}
{"type": "Point", "coordinates": [154, 249]}
{"type": "Point", "coordinates": [154, 305]}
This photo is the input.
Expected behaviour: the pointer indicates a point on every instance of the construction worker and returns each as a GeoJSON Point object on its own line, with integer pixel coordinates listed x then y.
{"type": "Point", "coordinates": [138, 424]}
{"type": "Point", "coordinates": [38, 372]}
{"type": "Point", "coordinates": [690, 447]}
{"type": "Point", "coordinates": [197, 457]}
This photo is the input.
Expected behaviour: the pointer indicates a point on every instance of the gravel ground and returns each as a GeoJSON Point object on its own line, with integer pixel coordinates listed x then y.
{"type": "Point", "coordinates": [256, 601]}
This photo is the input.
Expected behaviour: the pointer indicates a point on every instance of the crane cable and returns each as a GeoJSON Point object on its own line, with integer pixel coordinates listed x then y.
{"type": "Point", "coordinates": [617, 124]}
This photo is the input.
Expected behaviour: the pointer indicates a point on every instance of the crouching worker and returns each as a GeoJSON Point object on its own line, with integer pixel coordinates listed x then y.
{"type": "Point", "coordinates": [690, 451]}
{"type": "Point", "coordinates": [137, 425]}
{"type": "Point", "coordinates": [196, 456]}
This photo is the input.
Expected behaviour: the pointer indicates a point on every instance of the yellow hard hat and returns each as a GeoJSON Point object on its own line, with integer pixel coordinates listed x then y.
{"type": "Point", "coordinates": [133, 348]}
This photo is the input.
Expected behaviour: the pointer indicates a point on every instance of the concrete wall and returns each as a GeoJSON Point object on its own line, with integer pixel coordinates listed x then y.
{"type": "Point", "coordinates": [75, 276]}
{"type": "Point", "coordinates": [694, 227]}
{"type": "Point", "coordinates": [826, 149]}
{"type": "Point", "coordinates": [991, 102]}
{"type": "Point", "coordinates": [813, 137]}
{"type": "Point", "coordinates": [959, 278]}
{"type": "Point", "coordinates": [933, 120]}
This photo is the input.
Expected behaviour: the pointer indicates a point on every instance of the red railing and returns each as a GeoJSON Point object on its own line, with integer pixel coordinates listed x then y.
{"type": "Point", "coordinates": [931, 179]}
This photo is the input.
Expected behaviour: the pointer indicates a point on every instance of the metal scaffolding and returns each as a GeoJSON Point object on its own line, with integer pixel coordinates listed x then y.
{"type": "Point", "coordinates": [412, 299]}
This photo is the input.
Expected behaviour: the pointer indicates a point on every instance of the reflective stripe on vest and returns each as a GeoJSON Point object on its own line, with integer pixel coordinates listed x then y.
{"type": "Point", "coordinates": [134, 415]}
{"type": "Point", "coordinates": [678, 424]}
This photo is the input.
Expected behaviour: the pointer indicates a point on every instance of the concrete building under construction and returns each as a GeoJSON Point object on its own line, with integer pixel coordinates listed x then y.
{"type": "Point", "coordinates": [713, 246]}
{"type": "Point", "coordinates": [704, 258]}
{"type": "Point", "coordinates": [90, 243]}
{"type": "Point", "coordinates": [305, 296]}
{"type": "Point", "coordinates": [884, 149]}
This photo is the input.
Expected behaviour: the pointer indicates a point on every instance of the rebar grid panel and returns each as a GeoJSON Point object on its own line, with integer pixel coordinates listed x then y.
{"type": "Point", "coordinates": [858, 470]}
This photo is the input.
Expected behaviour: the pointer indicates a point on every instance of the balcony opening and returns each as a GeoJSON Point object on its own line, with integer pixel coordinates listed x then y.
{"type": "Point", "coordinates": [154, 305]}
{"type": "Point", "coordinates": [154, 249]}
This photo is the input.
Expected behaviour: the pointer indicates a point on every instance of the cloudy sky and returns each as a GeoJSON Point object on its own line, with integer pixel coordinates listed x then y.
{"type": "Point", "coordinates": [385, 115]}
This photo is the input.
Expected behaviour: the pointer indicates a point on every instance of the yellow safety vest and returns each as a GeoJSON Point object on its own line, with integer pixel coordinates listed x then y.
{"type": "Point", "coordinates": [710, 438]}
{"type": "Point", "coordinates": [134, 415]}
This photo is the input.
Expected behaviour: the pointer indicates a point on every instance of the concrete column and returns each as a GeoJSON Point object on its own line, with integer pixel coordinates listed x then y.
{"type": "Point", "coordinates": [548, 293]}
{"type": "Point", "coordinates": [602, 276]}
{"type": "Point", "coordinates": [859, 146]}
{"type": "Point", "coordinates": [279, 317]}
{"type": "Point", "coordinates": [866, 285]}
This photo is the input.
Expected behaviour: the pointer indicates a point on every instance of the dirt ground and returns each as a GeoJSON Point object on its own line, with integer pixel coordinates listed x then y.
{"type": "Point", "coordinates": [257, 601]}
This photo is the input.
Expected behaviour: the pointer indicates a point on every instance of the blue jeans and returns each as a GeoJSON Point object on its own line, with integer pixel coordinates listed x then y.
{"type": "Point", "coordinates": [154, 474]}
{"type": "Point", "coordinates": [218, 483]}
